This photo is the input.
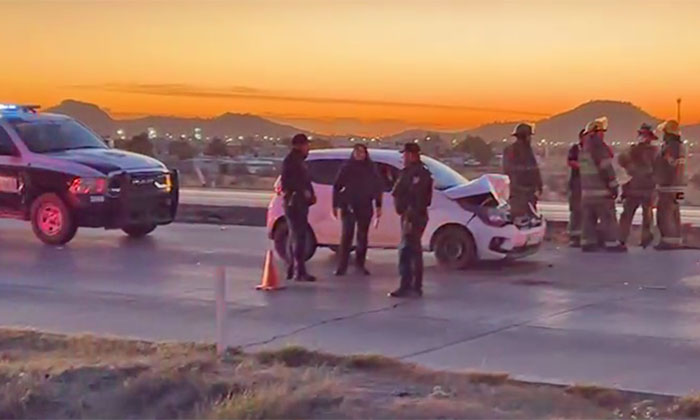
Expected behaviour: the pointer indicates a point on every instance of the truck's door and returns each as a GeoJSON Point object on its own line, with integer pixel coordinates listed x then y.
{"type": "Point", "coordinates": [11, 183]}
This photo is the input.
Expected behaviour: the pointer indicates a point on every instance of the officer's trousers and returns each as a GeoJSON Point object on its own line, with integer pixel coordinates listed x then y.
{"type": "Point", "coordinates": [520, 206]}
{"type": "Point", "coordinates": [411, 252]}
{"type": "Point", "coordinates": [668, 218]}
{"type": "Point", "coordinates": [575, 215]}
{"type": "Point", "coordinates": [298, 224]}
{"type": "Point", "coordinates": [351, 218]}
{"type": "Point", "coordinates": [599, 217]}
{"type": "Point", "coordinates": [630, 206]}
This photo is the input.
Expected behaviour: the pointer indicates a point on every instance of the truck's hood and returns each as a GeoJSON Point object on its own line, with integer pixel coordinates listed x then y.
{"type": "Point", "coordinates": [496, 184]}
{"type": "Point", "coordinates": [108, 160]}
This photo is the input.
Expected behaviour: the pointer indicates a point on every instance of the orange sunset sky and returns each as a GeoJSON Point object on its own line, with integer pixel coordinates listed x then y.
{"type": "Point", "coordinates": [329, 64]}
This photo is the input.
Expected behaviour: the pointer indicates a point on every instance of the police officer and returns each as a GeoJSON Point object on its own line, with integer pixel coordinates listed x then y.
{"type": "Point", "coordinates": [357, 196]}
{"type": "Point", "coordinates": [298, 196]}
{"type": "Point", "coordinates": [638, 161]}
{"type": "Point", "coordinates": [599, 190]}
{"type": "Point", "coordinates": [670, 178]}
{"type": "Point", "coordinates": [413, 194]}
{"type": "Point", "coordinates": [575, 210]}
{"type": "Point", "coordinates": [520, 165]}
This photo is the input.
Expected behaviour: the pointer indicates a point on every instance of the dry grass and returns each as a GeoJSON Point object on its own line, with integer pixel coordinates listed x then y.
{"type": "Point", "coordinates": [46, 375]}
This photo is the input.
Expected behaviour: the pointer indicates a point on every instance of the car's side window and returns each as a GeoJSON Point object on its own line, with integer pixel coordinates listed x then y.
{"type": "Point", "coordinates": [7, 148]}
{"type": "Point", "coordinates": [324, 171]}
{"type": "Point", "coordinates": [389, 175]}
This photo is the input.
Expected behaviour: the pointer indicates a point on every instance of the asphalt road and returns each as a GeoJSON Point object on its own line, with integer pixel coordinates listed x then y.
{"type": "Point", "coordinates": [631, 321]}
{"type": "Point", "coordinates": [552, 211]}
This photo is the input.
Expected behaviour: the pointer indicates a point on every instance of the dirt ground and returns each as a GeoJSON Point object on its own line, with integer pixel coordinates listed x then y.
{"type": "Point", "coordinates": [54, 376]}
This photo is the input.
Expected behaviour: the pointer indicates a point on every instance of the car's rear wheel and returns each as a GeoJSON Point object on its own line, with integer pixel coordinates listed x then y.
{"type": "Point", "coordinates": [51, 219]}
{"type": "Point", "coordinates": [280, 238]}
{"type": "Point", "coordinates": [454, 248]}
{"type": "Point", "coordinates": [139, 231]}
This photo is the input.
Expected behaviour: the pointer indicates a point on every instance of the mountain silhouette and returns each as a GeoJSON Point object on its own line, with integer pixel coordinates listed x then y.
{"type": "Point", "coordinates": [228, 124]}
{"type": "Point", "coordinates": [624, 120]}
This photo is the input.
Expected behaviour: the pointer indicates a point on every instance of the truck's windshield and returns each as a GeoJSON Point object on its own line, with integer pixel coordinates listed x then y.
{"type": "Point", "coordinates": [56, 136]}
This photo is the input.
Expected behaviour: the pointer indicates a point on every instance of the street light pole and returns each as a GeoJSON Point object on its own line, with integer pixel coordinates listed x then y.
{"type": "Point", "coordinates": [678, 110]}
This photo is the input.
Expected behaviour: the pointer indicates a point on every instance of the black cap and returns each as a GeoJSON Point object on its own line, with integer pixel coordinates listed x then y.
{"type": "Point", "coordinates": [299, 139]}
{"type": "Point", "coordinates": [411, 148]}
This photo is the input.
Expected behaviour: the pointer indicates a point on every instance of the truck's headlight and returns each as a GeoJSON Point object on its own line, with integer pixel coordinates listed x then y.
{"type": "Point", "coordinates": [88, 186]}
{"type": "Point", "coordinates": [166, 184]}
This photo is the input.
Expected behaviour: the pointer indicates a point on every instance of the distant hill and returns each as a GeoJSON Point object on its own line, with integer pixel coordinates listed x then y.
{"type": "Point", "coordinates": [223, 125]}
{"type": "Point", "coordinates": [624, 118]}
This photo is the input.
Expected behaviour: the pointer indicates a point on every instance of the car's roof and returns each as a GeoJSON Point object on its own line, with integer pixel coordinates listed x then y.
{"type": "Point", "coordinates": [30, 116]}
{"type": "Point", "coordinates": [377, 155]}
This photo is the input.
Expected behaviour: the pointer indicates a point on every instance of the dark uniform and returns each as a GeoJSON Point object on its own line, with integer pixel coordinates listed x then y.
{"type": "Point", "coordinates": [670, 178]}
{"type": "Point", "coordinates": [638, 161]}
{"type": "Point", "coordinates": [357, 191]}
{"type": "Point", "coordinates": [413, 194]}
{"type": "Point", "coordinates": [575, 211]}
{"type": "Point", "coordinates": [599, 190]}
{"type": "Point", "coordinates": [298, 197]}
{"type": "Point", "coordinates": [520, 164]}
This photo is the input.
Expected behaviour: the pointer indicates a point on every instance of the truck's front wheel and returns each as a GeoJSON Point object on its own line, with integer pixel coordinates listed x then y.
{"type": "Point", "coordinates": [52, 221]}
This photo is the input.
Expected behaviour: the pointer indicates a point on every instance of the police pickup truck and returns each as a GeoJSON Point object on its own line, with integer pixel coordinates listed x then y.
{"type": "Point", "coordinates": [59, 175]}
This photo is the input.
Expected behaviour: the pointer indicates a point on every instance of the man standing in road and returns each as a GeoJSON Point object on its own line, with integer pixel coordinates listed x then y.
{"type": "Point", "coordinates": [298, 197]}
{"type": "Point", "coordinates": [670, 178]}
{"type": "Point", "coordinates": [638, 161]}
{"type": "Point", "coordinates": [599, 190]}
{"type": "Point", "coordinates": [575, 210]}
{"type": "Point", "coordinates": [520, 164]}
{"type": "Point", "coordinates": [413, 194]}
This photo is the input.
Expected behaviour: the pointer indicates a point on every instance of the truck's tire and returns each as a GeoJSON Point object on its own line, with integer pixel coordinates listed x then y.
{"type": "Point", "coordinates": [454, 248]}
{"type": "Point", "coordinates": [52, 221]}
{"type": "Point", "coordinates": [280, 237]}
{"type": "Point", "coordinates": [139, 231]}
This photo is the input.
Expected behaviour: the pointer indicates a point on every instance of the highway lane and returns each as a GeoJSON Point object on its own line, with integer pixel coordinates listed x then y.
{"type": "Point", "coordinates": [561, 316]}
{"type": "Point", "coordinates": [558, 212]}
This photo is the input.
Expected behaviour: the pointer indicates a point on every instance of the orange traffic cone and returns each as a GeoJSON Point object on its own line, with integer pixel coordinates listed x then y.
{"type": "Point", "coordinates": [270, 280]}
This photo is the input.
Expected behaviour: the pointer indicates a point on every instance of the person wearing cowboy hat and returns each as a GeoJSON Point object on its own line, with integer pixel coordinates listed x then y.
{"type": "Point", "coordinates": [599, 190]}
{"type": "Point", "coordinates": [638, 162]}
{"type": "Point", "coordinates": [521, 166]}
{"type": "Point", "coordinates": [670, 178]}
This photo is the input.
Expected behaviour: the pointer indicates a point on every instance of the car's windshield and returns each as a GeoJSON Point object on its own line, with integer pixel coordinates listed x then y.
{"type": "Point", "coordinates": [56, 136]}
{"type": "Point", "coordinates": [444, 177]}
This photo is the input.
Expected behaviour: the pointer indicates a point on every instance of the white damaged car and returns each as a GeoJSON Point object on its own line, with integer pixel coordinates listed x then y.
{"type": "Point", "coordinates": [469, 220]}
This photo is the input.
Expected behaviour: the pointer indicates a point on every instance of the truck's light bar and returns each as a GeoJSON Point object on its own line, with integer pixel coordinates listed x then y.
{"type": "Point", "coordinates": [19, 108]}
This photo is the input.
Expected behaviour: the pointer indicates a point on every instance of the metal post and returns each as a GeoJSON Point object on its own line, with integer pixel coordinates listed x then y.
{"type": "Point", "coordinates": [678, 110]}
{"type": "Point", "coordinates": [220, 310]}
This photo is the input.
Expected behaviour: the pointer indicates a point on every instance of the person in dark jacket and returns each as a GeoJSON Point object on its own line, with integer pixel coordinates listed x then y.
{"type": "Point", "coordinates": [357, 196]}
{"type": "Point", "coordinates": [413, 194]}
{"type": "Point", "coordinates": [298, 196]}
{"type": "Point", "coordinates": [575, 210]}
{"type": "Point", "coordinates": [521, 166]}
{"type": "Point", "coordinates": [638, 161]}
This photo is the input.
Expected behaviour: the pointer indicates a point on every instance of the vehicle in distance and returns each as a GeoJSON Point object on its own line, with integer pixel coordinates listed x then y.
{"type": "Point", "coordinates": [469, 221]}
{"type": "Point", "coordinates": [59, 175]}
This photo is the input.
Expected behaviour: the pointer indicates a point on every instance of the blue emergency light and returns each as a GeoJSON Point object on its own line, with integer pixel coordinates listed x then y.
{"type": "Point", "coordinates": [19, 108]}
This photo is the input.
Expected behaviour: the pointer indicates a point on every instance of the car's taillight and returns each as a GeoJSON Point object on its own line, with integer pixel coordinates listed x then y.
{"type": "Point", "coordinates": [88, 186]}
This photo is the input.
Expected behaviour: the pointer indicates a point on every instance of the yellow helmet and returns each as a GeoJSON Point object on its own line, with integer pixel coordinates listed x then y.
{"type": "Point", "coordinates": [670, 127]}
{"type": "Point", "coordinates": [524, 129]}
{"type": "Point", "coordinates": [599, 124]}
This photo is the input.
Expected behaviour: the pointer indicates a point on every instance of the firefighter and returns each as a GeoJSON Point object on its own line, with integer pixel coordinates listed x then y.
{"type": "Point", "coordinates": [413, 194]}
{"type": "Point", "coordinates": [298, 196]}
{"type": "Point", "coordinates": [670, 178]}
{"type": "Point", "coordinates": [520, 164]}
{"type": "Point", "coordinates": [357, 197]}
{"type": "Point", "coordinates": [599, 190]}
{"type": "Point", "coordinates": [575, 192]}
{"type": "Point", "coordinates": [638, 161]}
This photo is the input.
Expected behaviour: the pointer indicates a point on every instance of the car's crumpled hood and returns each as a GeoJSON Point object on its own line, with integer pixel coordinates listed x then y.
{"type": "Point", "coordinates": [496, 184]}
